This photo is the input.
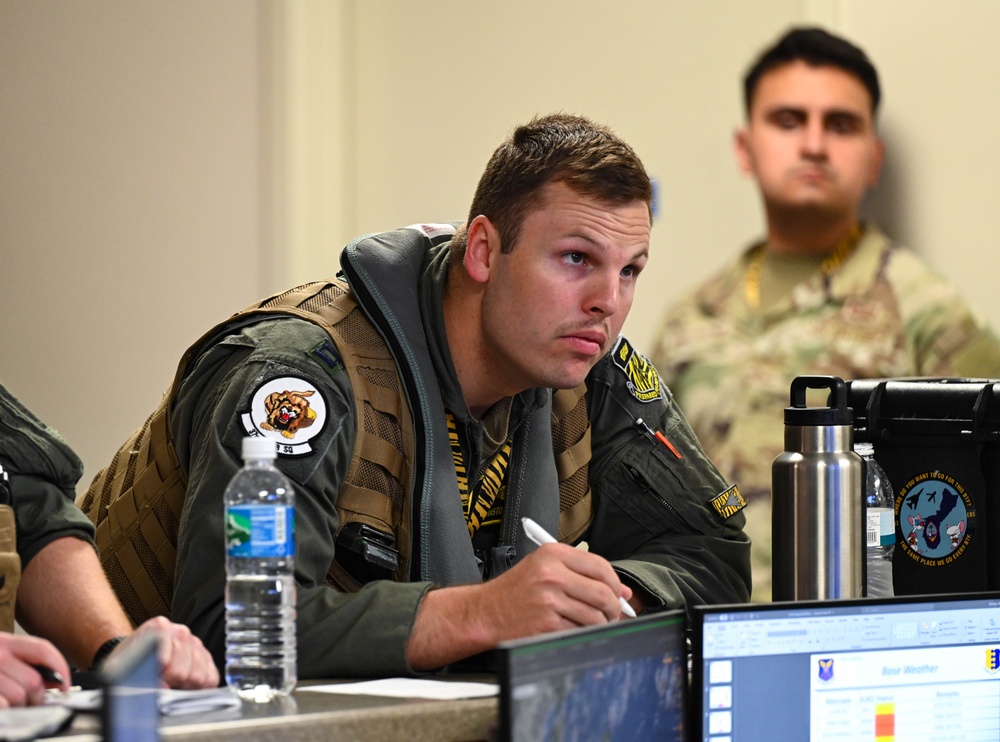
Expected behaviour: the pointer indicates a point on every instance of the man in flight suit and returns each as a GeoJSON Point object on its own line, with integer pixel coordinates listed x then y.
{"type": "Point", "coordinates": [451, 381]}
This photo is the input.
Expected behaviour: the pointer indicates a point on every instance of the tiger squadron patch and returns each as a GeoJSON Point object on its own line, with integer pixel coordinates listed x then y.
{"type": "Point", "coordinates": [290, 411]}
{"type": "Point", "coordinates": [641, 377]}
{"type": "Point", "coordinates": [729, 502]}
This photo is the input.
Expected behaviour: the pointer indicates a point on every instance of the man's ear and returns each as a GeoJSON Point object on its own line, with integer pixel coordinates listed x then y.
{"type": "Point", "coordinates": [741, 148]}
{"type": "Point", "coordinates": [876, 165]}
{"type": "Point", "coordinates": [482, 247]}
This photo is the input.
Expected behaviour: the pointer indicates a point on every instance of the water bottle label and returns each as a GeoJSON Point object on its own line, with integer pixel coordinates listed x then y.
{"type": "Point", "coordinates": [260, 531]}
{"type": "Point", "coordinates": [887, 532]}
{"type": "Point", "coordinates": [881, 530]}
{"type": "Point", "coordinates": [872, 532]}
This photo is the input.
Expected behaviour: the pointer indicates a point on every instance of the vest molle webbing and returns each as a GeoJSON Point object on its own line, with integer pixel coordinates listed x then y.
{"type": "Point", "coordinates": [136, 502]}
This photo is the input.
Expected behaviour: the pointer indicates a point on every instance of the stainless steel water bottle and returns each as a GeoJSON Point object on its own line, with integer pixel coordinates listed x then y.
{"type": "Point", "coordinates": [817, 511]}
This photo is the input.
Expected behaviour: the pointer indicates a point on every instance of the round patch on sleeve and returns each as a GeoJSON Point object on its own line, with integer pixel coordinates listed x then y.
{"type": "Point", "coordinates": [290, 411]}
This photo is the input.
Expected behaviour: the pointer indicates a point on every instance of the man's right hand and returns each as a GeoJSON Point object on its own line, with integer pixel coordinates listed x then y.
{"type": "Point", "coordinates": [20, 683]}
{"type": "Point", "coordinates": [556, 587]}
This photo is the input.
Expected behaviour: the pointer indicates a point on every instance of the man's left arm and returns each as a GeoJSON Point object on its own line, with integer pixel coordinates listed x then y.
{"type": "Point", "coordinates": [664, 516]}
{"type": "Point", "coordinates": [944, 335]}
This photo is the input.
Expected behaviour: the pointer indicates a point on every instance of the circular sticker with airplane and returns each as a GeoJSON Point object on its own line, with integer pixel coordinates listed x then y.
{"type": "Point", "coordinates": [936, 517]}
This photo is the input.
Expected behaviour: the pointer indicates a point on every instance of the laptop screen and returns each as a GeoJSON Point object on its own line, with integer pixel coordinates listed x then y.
{"type": "Point", "coordinates": [914, 667]}
{"type": "Point", "coordinates": [621, 681]}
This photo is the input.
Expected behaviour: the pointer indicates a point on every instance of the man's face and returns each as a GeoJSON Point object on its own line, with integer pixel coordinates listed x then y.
{"type": "Point", "coordinates": [555, 303]}
{"type": "Point", "coordinates": [810, 140]}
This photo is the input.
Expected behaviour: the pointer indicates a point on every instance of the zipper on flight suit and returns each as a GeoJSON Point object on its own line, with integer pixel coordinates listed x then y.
{"type": "Point", "coordinates": [647, 488]}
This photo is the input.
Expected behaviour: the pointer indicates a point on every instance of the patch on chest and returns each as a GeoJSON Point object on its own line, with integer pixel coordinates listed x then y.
{"type": "Point", "coordinates": [641, 377]}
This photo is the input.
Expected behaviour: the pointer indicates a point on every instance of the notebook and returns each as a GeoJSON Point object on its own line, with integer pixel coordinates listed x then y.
{"type": "Point", "coordinates": [621, 681]}
{"type": "Point", "coordinates": [904, 668]}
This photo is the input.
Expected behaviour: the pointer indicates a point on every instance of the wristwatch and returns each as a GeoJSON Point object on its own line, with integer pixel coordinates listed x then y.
{"type": "Point", "coordinates": [104, 650]}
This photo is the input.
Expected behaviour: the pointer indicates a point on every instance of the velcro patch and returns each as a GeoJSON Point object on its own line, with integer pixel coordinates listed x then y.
{"type": "Point", "coordinates": [641, 378]}
{"type": "Point", "coordinates": [729, 502]}
{"type": "Point", "coordinates": [290, 411]}
{"type": "Point", "coordinates": [327, 354]}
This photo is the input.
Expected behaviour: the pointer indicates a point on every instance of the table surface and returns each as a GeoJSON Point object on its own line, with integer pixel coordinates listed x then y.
{"type": "Point", "coordinates": [309, 715]}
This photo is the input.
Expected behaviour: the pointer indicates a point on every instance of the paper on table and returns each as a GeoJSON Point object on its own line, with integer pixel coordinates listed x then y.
{"type": "Point", "coordinates": [32, 722]}
{"type": "Point", "coordinates": [409, 688]}
{"type": "Point", "coordinates": [172, 702]}
{"type": "Point", "coordinates": [177, 702]}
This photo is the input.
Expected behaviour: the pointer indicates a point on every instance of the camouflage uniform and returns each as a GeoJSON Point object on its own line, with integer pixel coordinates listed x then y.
{"type": "Point", "coordinates": [883, 313]}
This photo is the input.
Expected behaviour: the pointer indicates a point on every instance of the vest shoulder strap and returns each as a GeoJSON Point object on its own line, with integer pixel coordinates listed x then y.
{"type": "Point", "coordinates": [572, 448]}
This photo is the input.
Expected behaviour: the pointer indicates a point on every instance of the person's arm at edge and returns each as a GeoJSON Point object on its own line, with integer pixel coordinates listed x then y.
{"type": "Point", "coordinates": [64, 586]}
{"type": "Point", "coordinates": [65, 597]}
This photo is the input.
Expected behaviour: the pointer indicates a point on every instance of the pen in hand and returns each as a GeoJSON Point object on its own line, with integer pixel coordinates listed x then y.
{"type": "Point", "coordinates": [538, 535]}
{"type": "Point", "coordinates": [49, 676]}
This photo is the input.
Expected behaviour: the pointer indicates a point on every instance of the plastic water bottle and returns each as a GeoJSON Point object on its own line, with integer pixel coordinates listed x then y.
{"type": "Point", "coordinates": [260, 576]}
{"type": "Point", "coordinates": [881, 530]}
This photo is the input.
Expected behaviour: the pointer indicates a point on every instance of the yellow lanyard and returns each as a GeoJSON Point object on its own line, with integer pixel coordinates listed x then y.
{"type": "Point", "coordinates": [478, 503]}
{"type": "Point", "coordinates": [843, 250]}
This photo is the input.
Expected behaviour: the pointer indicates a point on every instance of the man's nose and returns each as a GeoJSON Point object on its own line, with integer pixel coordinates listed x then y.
{"type": "Point", "coordinates": [605, 295]}
{"type": "Point", "coordinates": [814, 138]}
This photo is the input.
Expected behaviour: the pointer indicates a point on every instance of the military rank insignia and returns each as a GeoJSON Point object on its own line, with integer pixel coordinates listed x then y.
{"type": "Point", "coordinates": [729, 502]}
{"type": "Point", "coordinates": [642, 380]}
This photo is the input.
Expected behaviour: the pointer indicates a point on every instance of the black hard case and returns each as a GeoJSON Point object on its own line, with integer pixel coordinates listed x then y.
{"type": "Point", "coordinates": [939, 443]}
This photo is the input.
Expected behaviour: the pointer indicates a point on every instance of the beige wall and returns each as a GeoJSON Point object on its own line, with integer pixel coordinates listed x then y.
{"type": "Point", "coordinates": [163, 164]}
{"type": "Point", "coordinates": [129, 200]}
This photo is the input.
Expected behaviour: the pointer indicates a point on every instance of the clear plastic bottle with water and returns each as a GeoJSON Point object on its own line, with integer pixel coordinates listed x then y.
{"type": "Point", "coordinates": [260, 577]}
{"type": "Point", "coordinates": [881, 528]}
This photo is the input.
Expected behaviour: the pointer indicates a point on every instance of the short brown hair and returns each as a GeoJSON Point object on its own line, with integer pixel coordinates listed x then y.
{"type": "Point", "coordinates": [816, 47]}
{"type": "Point", "coordinates": [587, 157]}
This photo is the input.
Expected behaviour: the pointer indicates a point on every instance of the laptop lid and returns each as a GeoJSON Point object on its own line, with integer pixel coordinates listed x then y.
{"type": "Point", "coordinates": [910, 667]}
{"type": "Point", "coordinates": [625, 680]}
{"type": "Point", "coordinates": [131, 682]}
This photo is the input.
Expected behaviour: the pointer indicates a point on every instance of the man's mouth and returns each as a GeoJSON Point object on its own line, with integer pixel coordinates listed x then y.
{"type": "Point", "coordinates": [814, 174]}
{"type": "Point", "coordinates": [590, 341]}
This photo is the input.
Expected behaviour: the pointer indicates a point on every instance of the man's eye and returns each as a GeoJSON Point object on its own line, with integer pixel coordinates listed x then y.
{"type": "Point", "coordinates": [630, 271]}
{"type": "Point", "coordinates": [786, 120]}
{"type": "Point", "coordinates": [842, 125]}
{"type": "Point", "coordinates": [574, 258]}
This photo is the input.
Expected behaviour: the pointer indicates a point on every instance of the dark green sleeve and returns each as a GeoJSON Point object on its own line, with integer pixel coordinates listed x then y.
{"type": "Point", "coordinates": [654, 517]}
{"type": "Point", "coordinates": [43, 472]}
{"type": "Point", "coordinates": [339, 635]}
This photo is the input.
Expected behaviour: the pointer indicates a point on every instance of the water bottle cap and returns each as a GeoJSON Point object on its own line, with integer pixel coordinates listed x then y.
{"type": "Point", "coordinates": [864, 449]}
{"type": "Point", "coordinates": [258, 447]}
{"type": "Point", "coordinates": [838, 413]}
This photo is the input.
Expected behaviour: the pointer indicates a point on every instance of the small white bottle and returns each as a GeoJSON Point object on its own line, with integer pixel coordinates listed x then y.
{"type": "Point", "coordinates": [261, 655]}
{"type": "Point", "coordinates": [881, 530]}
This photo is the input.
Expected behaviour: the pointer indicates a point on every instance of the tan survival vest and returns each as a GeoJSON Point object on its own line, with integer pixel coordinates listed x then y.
{"type": "Point", "coordinates": [10, 568]}
{"type": "Point", "coordinates": [135, 503]}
